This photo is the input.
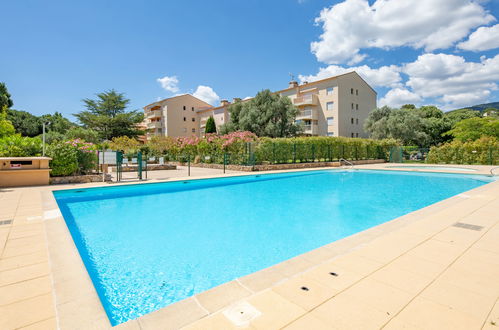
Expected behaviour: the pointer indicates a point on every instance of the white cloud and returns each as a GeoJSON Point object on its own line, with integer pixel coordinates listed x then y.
{"type": "Point", "coordinates": [451, 80]}
{"type": "Point", "coordinates": [399, 96]}
{"type": "Point", "coordinates": [484, 38]}
{"type": "Point", "coordinates": [385, 76]}
{"type": "Point", "coordinates": [169, 83]}
{"type": "Point", "coordinates": [206, 94]}
{"type": "Point", "coordinates": [353, 25]}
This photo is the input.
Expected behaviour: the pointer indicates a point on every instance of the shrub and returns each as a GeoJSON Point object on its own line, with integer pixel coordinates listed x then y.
{"type": "Point", "coordinates": [6, 127]}
{"type": "Point", "coordinates": [483, 151]}
{"type": "Point", "coordinates": [18, 146]}
{"type": "Point", "coordinates": [86, 155]}
{"type": "Point", "coordinates": [64, 159]}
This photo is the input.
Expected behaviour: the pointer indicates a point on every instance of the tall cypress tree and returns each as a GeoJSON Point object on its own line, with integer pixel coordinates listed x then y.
{"type": "Point", "coordinates": [210, 126]}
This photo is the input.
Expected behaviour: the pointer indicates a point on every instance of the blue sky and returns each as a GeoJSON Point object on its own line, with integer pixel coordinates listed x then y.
{"type": "Point", "coordinates": [58, 52]}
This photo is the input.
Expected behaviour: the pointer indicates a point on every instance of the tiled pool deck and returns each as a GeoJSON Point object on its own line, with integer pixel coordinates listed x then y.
{"type": "Point", "coordinates": [419, 271]}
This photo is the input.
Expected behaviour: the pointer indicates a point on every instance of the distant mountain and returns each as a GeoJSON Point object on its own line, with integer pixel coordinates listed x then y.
{"type": "Point", "coordinates": [481, 107]}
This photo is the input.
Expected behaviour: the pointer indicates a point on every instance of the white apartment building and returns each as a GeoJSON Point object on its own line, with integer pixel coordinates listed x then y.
{"type": "Point", "coordinates": [335, 106]}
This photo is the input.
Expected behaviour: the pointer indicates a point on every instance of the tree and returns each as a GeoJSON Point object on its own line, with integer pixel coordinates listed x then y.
{"type": "Point", "coordinates": [474, 128]}
{"type": "Point", "coordinates": [56, 123]}
{"type": "Point", "coordinates": [86, 134]}
{"type": "Point", "coordinates": [210, 126]}
{"type": "Point", "coordinates": [25, 123]}
{"type": "Point", "coordinates": [266, 114]}
{"type": "Point", "coordinates": [5, 100]}
{"type": "Point", "coordinates": [412, 126]}
{"type": "Point", "coordinates": [6, 127]}
{"type": "Point", "coordinates": [457, 115]}
{"type": "Point", "coordinates": [108, 116]}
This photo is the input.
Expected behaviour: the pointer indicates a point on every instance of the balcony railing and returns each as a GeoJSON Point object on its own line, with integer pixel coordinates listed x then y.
{"type": "Point", "coordinates": [310, 99]}
{"type": "Point", "coordinates": [154, 113]}
{"type": "Point", "coordinates": [154, 124]}
{"type": "Point", "coordinates": [307, 114]}
{"type": "Point", "coordinates": [310, 129]}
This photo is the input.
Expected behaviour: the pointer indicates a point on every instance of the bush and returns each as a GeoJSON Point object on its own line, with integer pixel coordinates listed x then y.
{"type": "Point", "coordinates": [86, 155]}
{"type": "Point", "coordinates": [484, 151]}
{"type": "Point", "coordinates": [18, 146]}
{"type": "Point", "coordinates": [6, 127]}
{"type": "Point", "coordinates": [64, 159]}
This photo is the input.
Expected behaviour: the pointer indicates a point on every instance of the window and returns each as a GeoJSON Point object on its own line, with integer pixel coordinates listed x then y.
{"type": "Point", "coordinates": [356, 92]}
{"type": "Point", "coordinates": [330, 133]}
{"type": "Point", "coordinates": [193, 130]}
{"type": "Point", "coordinates": [352, 134]}
{"type": "Point", "coordinates": [351, 120]}
{"type": "Point", "coordinates": [356, 107]}
{"type": "Point", "coordinates": [357, 121]}
{"type": "Point", "coordinates": [329, 91]}
{"type": "Point", "coordinates": [330, 106]}
{"type": "Point", "coordinates": [351, 91]}
{"type": "Point", "coordinates": [160, 130]}
{"type": "Point", "coordinates": [185, 119]}
{"type": "Point", "coordinates": [352, 106]}
{"type": "Point", "coordinates": [356, 134]}
{"type": "Point", "coordinates": [192, 108]}
{"type": "Point", "coordinates": [193, 119]}
{"type": "Point", "coordinates": [330, 121]}
{"type": "Point", "coordinates": [184, 107]}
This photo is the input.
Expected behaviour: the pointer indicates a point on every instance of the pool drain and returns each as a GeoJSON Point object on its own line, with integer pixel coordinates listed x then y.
{"type": "Point", "coordinates": [333, 274]}
{"type": "Point", "coordinates": [304, 288]}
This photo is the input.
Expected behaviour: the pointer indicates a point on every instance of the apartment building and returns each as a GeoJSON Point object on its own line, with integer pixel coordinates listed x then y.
{"type": "Point", "coordinates": [335, 106]}
{"type": "Point", "coordinates": [174, 116]}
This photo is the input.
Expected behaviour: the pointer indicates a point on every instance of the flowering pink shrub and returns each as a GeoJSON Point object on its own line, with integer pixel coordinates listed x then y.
{"type": "Point", "coordinates": [86, 153]}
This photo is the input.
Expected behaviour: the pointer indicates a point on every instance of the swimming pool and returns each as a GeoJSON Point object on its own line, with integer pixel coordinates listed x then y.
{"type": "Point", "coordinates": [442, 168]}
{"type": "Point", "coordinates": [147, 246]}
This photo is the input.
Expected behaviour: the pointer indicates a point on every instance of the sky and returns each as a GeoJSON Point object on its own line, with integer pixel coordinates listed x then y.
{"type": "Point", "coordinates": [56, 53]}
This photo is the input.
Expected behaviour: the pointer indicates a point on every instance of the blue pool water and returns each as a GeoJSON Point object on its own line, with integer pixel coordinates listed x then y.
{"type": "Point", "coordinates": [147, 246]}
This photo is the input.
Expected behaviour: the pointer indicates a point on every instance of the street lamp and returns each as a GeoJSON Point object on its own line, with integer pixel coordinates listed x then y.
{"type": "Point", "coordinates": [43, 136]}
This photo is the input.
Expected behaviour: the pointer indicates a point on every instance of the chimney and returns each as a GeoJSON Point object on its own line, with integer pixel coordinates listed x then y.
{"type": "Point", "coordinates": [293, 84]}
{"type": "Point", "coordinates": [236, 99]}
{"type": "Point", "coordinates": [224, 102]}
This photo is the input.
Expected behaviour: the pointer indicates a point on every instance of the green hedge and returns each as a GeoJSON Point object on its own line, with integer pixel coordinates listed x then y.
{"type": "Point", "coordinates": [18, 146]}
{"type": "Point", "coordinates": [484, 151]}
{"type": "Point", "coordinates": [64, 159]}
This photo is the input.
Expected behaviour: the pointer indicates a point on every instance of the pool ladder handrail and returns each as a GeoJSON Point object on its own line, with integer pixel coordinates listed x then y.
{"type": "Point", "coordinates": [346, 161]}
{"type": "Point", "coordinates": [493, 169]}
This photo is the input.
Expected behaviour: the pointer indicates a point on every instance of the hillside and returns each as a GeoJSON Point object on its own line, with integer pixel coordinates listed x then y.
{"type": "Point", "coordinates": [480, 107]}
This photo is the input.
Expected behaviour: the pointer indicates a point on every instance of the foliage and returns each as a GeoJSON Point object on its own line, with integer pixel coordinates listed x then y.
{"type": "Point", "coordinates": [25, 123]}
{"type": "Point", "coordinates": [108, 116]}
{"type": "Point", "coordinates": [125, 144]}
{"type": "Point", "coordinates": [210, 126]}
{"type": "Point", "coordinates": [64, 159]}
{"type": "Point", "coordinates": [266, 114]}
{"type": "Point", "coordinates": [86, 155]}
{"type": "Point", "coordinates": [422, 126]}
{"type": "Point", "coordinates": [18, 146]}
{"type": "Point", "coordinates": [246, 147]}
{"type": "Point", "coordinates": [85, 134]}
{"type": "Point", "coordinates": [52, 137]}
{"type": "Point", "coordinates": [6, 127]}
{"type": "Point", "coordinates": [457, 115]}
{"type": "Point", "coordinates": [484, 150]}
{"type": "Point", "coordinates": [475, 128]}
{"type": "Point", "coordinates": [5, 100]}
{"type": "Point", "coordinates": [56, 123]}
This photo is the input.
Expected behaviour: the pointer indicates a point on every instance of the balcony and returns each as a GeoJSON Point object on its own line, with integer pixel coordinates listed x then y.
{"type": "Point", "coordinates": [310, 114]}
{"type": "Point", "coordinates": [312, 129]}
{"type": "Point", "coordinates": [154, 124]}
{"type": "Point", "coordinates": [154, 113]}
{"type": "Point", "coordinates": [305, 100]}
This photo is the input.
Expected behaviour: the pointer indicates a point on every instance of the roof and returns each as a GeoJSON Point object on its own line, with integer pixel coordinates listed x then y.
{"type": "Point", "coordinates": [174, 97]}
{"type": "Point", "coordinates": [326, 79]}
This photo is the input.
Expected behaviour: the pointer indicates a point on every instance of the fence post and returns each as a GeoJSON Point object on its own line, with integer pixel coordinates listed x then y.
{"type": "Point", "coordinates": [189, 165]}
{"type": "Point", "coordinates": [139, 164]}
{"type": "Point", "coordinates": [313, 153]}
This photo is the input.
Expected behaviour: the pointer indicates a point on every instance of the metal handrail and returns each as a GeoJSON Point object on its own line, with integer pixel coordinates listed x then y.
{"type": "Point", "coordinates": [346, 161]}
{"type": "Point", "coordinates": [492, 170]}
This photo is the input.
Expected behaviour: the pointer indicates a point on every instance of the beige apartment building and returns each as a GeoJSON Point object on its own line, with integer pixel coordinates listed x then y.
{"type": "Point", "coordinates": [335, 106]}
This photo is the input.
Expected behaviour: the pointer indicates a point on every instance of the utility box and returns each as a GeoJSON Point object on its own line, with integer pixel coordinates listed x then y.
{"type": "Point", "coordinates": [24, 171]}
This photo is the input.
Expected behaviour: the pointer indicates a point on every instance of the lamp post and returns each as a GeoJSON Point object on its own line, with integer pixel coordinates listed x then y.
{"type": "Point", "coordinates": [43, 137]}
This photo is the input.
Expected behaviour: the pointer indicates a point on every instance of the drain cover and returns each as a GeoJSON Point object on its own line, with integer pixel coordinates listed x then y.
{"type": "Point", "coordinates": [241, 314]}
{"type": "Point", "coordinates": [5, 222]}
{"type": "Point", "coordinates": [467, 226]}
